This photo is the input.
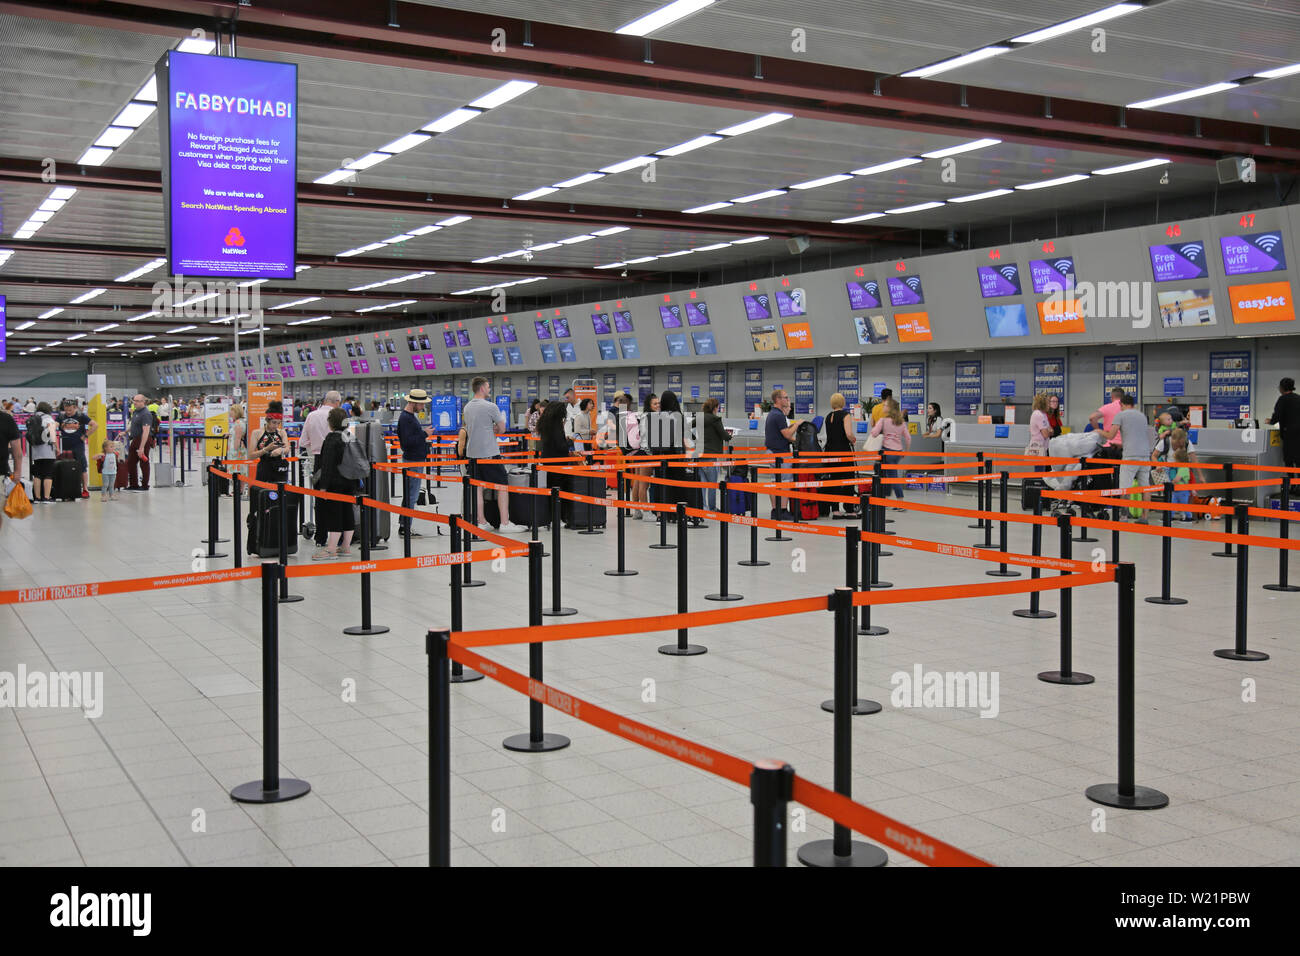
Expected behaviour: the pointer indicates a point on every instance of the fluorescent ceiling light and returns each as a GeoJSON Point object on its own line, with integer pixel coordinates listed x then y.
{"type": "Point", "coordinates": [27, 325]}
{"type": "Point", "coordinates": [579, 180]}
{"type": "Point", "coordinates": [40, 216]}
{"type": "Point", "coordinates": [503, 94]}
{"type": "Point", "coordinates": [716, 245]}
{"type": "Point", "coordinates": [114, 136]}
{"type": "Point", "coordinates": [741, 242]}
{"type": "Point", "coordinates": [755, 197]}
{"type": "Point", "coordinates": [634, 163]}
{"type": "Point", "coordinates": [95, 156]}
{"type": "Point", "coordinates": [329, 179]}
{"type": "Point", "coordinates": [1059, 181]}
{"type": "Point", "coordinates": [50, 345]}
{"type": "Point", "coordinates": [146, 268]}
{"type": "Point", "coordinates": [296, 269]}
{"type": "Point", "coordinates": [960, 148]}
{"type": "Point", "coordinates": [1185, 95]}
{"type": "Point", "coordinates": [143, 338]}
{"type": "Point", "coordinates": [207, 338]}
{"type": "Point", "coordinates": [1078, 23]}
{"type": "Point", "coordinates": [705, 140]}
{"type": "Point", "coordinates": [49, 314]}
{"type": "Point", "coordinates": [679, 252]}
{"type": "Point", "coordinates": [149, 92]}
{"type": "Point", "coordinates": [824, 181]}
{"type": "Point", "coordinates": [976, 197]}
{"type": "Point", "coordinates": [87, 296]}
{"type": "Point", "coordinates": [181, 328]}
{"type": "Point", "coordinates": [24, 233]}
{"type": "Point", "coordinates": [917, 208]}
{"type": "Point", "coordinates": [368, 160]}
{"type": "Point", "coordinates": [113, 345]}
{"type": "Point", "coordinates": [485, 259]}
{"type": "Point", "coordinates": [134, 115]}
{"type": "Point", "coordinates": [572, 240]}
{"type": "Point", "coordinates": [387, 305]}
{"type": "Point", "coordinates": [425, 230]}
{"type": "Point", "coordinates": [537, 193]}
{"type": "Point", "coordinates": [958, 61]}
{"type": "Point", "coordinates": [634, 262]}
{"type": "Point", "coordinates": [886, 167]}
{"type": "Point", "coordinates": [611, 231]}
{"type": "Point", "coordinates": [253, 282]}
{"type": "Point", "coordinates": [403, 143]}
{"type": "Point", "coordinates": [708, 207]}
{"type": "Point", "coordinates": [30, 225]}
{"type": "Point", "coordinates": [611, 265]}
{"type": "Point", "coordinates": [862, 218]}
{"type": "Point", "coordinates": [318, 318]}
{"type": "Point", "coordinates": [655, 19]}
{"type": "Point", "coordinates": [454, 220]}
{"type": "Point", "coordinates": [105, 328]}
{"type": "Point", "coordinates": [394, 240]}
{"type": "Point", "coordinates": [1278, 71]}
{"type": "Point", "coordinates": [196, 45]}
{"type": "Point", "coordinates": [853, 355]}
{"type": "Point", "coordinates": [221, 321]}
{"type": "Point", "coordinates": [453, 119]}
{"type": "Point", "coordinates": [513, 254]}
{"type": "Point", "coordinates": [142, 315]}
{"type": "Point", "coordinates": [63, 192]}
{"type": "Point", "coordinates": [173, 345]}
{"type": "Point", "coordinates": [1130, 167]}
{"type": "Point", "coordinates": [285, 305]}
{"type": "Point", "coordinates": [768, 119]}
{"type": "Point", "coordinates": [545, 246]}
{"type": "Point", "coordinates": [51, 205]}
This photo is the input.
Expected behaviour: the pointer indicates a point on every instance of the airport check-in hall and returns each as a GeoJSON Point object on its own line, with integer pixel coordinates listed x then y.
{"type": "Point", "coordinates": [651, 434]}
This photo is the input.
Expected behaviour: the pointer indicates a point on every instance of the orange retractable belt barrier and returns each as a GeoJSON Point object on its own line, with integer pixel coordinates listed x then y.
{"type": "Point", "coordinates": [952, 592]}
{"type": "Point", "coordinates": [398, 564]}
{"type": "Point", "coordinates": [62, 592]}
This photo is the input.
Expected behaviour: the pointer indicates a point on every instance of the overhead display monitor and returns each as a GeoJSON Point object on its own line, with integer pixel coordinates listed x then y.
{"type": "Point", "coordinates": [765, 338]}
{"type": "Point", "coordinates": [567, 352]}
{"type": "Point", "coordinates": [1059, 316]}
{"type": "Point", "coordinates": [608, 351]}
{"type": "Point", "coordinates": [1178, 260]}
{"type": "Point", "coordinates": [798, 335]}
{"type": "Point", "coordinates": [999, 281]}
{"type": "Point", "coordinates": [543, 327]}
{"type": "Point", "coordinates": [864, 295]}
{"type": "Point", "coordinates": [508, 333]}
{"type": "Point", "coordinates": [1184, 307]}
{"type": "Point", "coordinates": [905, 290]}
{"type": "Point", "coordinates": [515, 355]}
{"type": "Point", "coordinates": [1049, 274]}
{"type": "Point", "coordinates": [670, 316]}
{"type": "Point", "coordinates": [600, 323]}
{"type": "Point", "coordinates": [697, 313]}
{"type": "Point", "coordinates": [913, 326]}
{"type": "Point", "coordinates": [677, 344]}
{"type": "Point", "coordinates": [704, 344]}
{"type": "Point", "coordinates": [1253, 253]}
{"type": "Point", "coordinates": [561, 326]}
{"type": "Point", "coordinates": [1266, 302]}
{"type": "Point", "coordinates": [493, 334]}
{"type": "Point", "coordinates": [470, 362]}
{"type": "Point", "coordinates": [791, 304]}
{"type": "Point", "coordinates": [628, 346]}
{"type": "Point", "coordinates": [417, 362]}
{"type": "Point", "coordinates": [462, 338]}
{"type": "Point", "coordinates": [623, 321]}
{"type": "Point", "coordinates": [871, 329]}
{"type": "Point", "coordinates": [1006, 321]}
{"type": "Point", "coordinates": [757, 306]}
{"type": "Point", "coordinates": [456, 360]}
{"type": "Point", "coordinates": [228, 133]}
{"type": "Point", "coordinates": [548, 353]}
{"type": "Point", "coordinates": [449, 338]}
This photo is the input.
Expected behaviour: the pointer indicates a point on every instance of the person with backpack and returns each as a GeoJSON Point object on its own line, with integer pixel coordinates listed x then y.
{"type": "Point", "coordinates": [140, 434]}
{"type": "Point", "coordinates": [840, 437]}
{"type": "Point", "coordinates": [334, 518]}
{"type": "Point", "coordinates": [41, 436]}
{"type": "Point", "coordinates": [715, 443]}
{"type": "Point", "coordinates": [897, 439]}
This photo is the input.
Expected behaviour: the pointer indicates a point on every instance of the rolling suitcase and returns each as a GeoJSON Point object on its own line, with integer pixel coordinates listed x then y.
{"type": "Point", "coordinates": [66, 485]}
{"type": "Point", "coordinates": [371, 437]}
{"type": "Point", "coordinates": [1030, 488]}
{"type": "Point", "coordinates": [264, 523]}
{"type": "Point", "coordinates": [162, 475]}
{"type": "Point", "coordinates": [521, 505]}
{"type": "Point", "coordinates": [592, 487]}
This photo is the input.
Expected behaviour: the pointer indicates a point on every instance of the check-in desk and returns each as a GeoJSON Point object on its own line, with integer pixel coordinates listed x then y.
{"type": "Point", "coordinates": [1214, 445]}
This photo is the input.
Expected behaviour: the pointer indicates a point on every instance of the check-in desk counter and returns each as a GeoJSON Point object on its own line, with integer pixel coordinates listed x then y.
{"type": "Point", "coordinates": [1214, 445]}
{"type": "Point", "coordinates": [926, 451]}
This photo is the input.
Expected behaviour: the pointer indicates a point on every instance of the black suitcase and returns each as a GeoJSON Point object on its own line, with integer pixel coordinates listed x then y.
{"type": "Point", "coordinates": [66, 485]}
{"type": "Point", "coordinates": [264, 523]}
{"type": "Point", "coordinates": [592, 487]}
{"type": "Point", "coordinates": [1030, 488]}
{"type": "Point", "coordinates": [521, 504]}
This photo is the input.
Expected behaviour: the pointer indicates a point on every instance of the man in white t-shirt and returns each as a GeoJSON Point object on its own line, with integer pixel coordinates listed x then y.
{"type": "Point", "coordinates": [483, 422]}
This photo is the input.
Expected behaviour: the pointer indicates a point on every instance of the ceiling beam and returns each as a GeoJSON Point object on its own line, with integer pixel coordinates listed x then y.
{"type": "Point", "coordinates": [455, 41]}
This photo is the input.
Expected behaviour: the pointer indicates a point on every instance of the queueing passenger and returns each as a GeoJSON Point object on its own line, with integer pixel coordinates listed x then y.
{"type": "Point", "coordinates": [1286, 415]}
{"type": "Point", "coordinates": [41, 436]}
{"type": "Point", "coordinates": [551, 427]}
{"type": "Point", "coordinates": [269, 446]}
{"type": "Point", "coordinates": [897, 440]}
{"type": "Point", "coordinates": [334, 518]}
{"type": "Point", "coordinates": [139, 434]}
{"type": "Point", "coordinates": [778, 432]}
{"type": "Point", "coordinates": [11, 446]}
{"type": "Point", "coordinates": [106, 461]}
{"type": "Point", "coordinates": [840, 437]}
{"type": "Point", "coordinates": [1040, 429]}
{"type": "Point", "coordinates": [1135, 438]}
{"type": "Point", "coordinates": [75, 429]}
{"type": "Point", "coordinates": [715, 443]}
{"type": "Point", "coordinates": [414, 439]}
{"type": "Point", "coordinates": [484, 421]}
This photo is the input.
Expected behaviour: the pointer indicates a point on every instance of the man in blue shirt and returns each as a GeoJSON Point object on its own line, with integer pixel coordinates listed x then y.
{"type": "Point", "coordinates": [778, 432]}
{"type": "Point", "coordinates": [414, 439]}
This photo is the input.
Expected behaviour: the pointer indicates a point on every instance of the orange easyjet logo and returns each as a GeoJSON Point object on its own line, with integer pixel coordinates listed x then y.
{"type": "Point", "coordinates": [1060, 316]}
{"type": "Point", "coordinates": [1268, 302]}
{"type": "Point", "coordinates": [913, 326]}
{"type": "Point", "coordinates": [798, 335]}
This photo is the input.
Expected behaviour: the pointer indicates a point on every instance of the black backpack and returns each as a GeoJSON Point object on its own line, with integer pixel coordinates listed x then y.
{"type": "Point", "coordinates": [36, 429]}
{"type": "Point", "coordinates": [805, 438]}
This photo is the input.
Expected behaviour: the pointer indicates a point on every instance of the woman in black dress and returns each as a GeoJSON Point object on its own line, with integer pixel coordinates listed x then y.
{"type": "Point", "coordinates": [840, 437]}
{"type": "Point", "coordinates": [334, 517]}
{"type": "Point", "coordinates": [269, 445]}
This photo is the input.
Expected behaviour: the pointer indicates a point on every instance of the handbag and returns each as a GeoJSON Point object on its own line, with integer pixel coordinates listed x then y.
{"type": "Point", "coordinates": [875, 442]}
{"type": "Point", "coordinates": [17, 505]}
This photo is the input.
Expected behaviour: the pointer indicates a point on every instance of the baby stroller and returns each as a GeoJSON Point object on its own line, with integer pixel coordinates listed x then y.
{"type": "Point", "coordinates": [1077, 445]}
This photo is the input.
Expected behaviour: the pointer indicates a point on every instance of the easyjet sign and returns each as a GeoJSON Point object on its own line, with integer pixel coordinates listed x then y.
{"type": "Point", "coordinates": [1266, 302]}
{"type": "Point", "coordinates": [798, 335]}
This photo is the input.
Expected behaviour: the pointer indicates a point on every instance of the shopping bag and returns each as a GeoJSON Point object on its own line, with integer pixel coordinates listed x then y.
{"type": "Point", "coordinates": [17, 505]}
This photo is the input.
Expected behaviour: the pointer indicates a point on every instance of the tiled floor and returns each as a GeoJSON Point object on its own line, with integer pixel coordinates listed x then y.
{"type": "Point", "coordinates": [147, 782]}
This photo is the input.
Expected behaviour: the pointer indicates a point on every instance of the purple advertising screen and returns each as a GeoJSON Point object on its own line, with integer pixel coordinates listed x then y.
{"type": "Point", "coordinates": [864, 295]}
{"type": "Point", "coordinates": [758, 307]}
{"type": "Point", "coordinates": [789, 304]}
{"type": "Point", "coordinates": [600, 323]}
{"type": "Point", "coordinates": [429, 362]}
{"type": "Point", "coordinates": [394, 364]}
{"type": "Point", "coordinates": [1052, 273]}
{"type": "Point", "coordinates": [905, 290]}
{"type": "Point", "coordinates": [623, 321]}
{"type": "Point", "coordinates": [1257, 252]}
{"type": "Point", "coordinates": [998, 281]}
{"type": "Point", "coordinates": [561, 326]}
{"type": "Point", "coordinates": [228, 130]}
{"type": "Point", "coordinates": [1179, 260]}
{"type": "Point", "coordinates": [3, 350]}
{"type": "Point", "coordinates": [449, 338]}
{"type": "Point", "coordinates": [697, 313]}
{"type": "Point", "coordinates": [670, 316]}
{"type": "Point", "coordinates": [543, 327]}
{"type": "Point", "coordinates": [462, 337]}
{"type": "Point", "coordinates": [493, 335]}
{"type": "Point", "coordinates": [417, 363]}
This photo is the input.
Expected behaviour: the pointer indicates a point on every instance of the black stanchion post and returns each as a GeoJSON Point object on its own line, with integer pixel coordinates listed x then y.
{"type": "Point", "coordinates": [988, 506]}
{"type": "Point", "coordinates": [663, 544]}
{"type": "Point", "coordinates": [682, 648]}
{"type": "Point", "coordinates": [282, 514]}
{"type": "Point", "coordinates": [1003, 571]}
{"type": "Point", "coordinates": [878, 526]}
{"type": "Point", "coordinates": [1067, 674]}
{"type": "Point", "coordinates": [1284, 530]}
{"type": "Point", "coordinates": [1036, 536]}
{"type": "Point", "coordinates": [842, 850]}
{"type": "Point", "coordinates": [780, 535]}
{"type": "Point", "coordinates": [458, 674]}
{"type": "Point", "coordinates": [467, 539]}
{"type": "Point", "coordinates": [1126, 794]}
{"type": "Point", "coordinates": [366, 627]}
{"type": "Point", "coordinates": [272, 788]}
{"type": "Point", "coordinates": [1114, 516]}
{"type": "Point", "coordinates": [1227, 551]}
{"type": "Point", "coordinates": [213, 526]}
{"type": "Point", "coordinates": [1240, 652]}
{"type": "Point", "coordinates": [869, 567]}
{"type": "Point", "coordinates": [372, 519]}
{"type": "Point", "coordinates": [591, 509]}
{"type": "Point", "coordinates": [1166, 557]}
{"type": "Point", "coordinates": [771, 783]}
{"type": "Point", "coordinates": [752, 561]}
{"type": "Point", "coordinates": [860, 706]}
{"type": "Point", "coordinates": [532, 483]}
{"type": "Point", "coordinates": [556, 609]}
{"type": "Point", "coordinates": [795, 477]}
{"type": "Point", "coordinates": [536, 740]}
{"type": "Point", "coordinates": [724, 532]}
{"type": "Point", "coordinates": [435, 645]}
{"type": "Point", "coordinates": [1083, 532]}
{"type": "Point", "coordinates": [979, 492]}
{"type": "Point", "coordinates": [621, 571]}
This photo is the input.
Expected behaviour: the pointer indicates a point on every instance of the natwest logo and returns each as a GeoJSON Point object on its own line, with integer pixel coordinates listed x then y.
{"type": "Point", "coordinates": [1266, 302]}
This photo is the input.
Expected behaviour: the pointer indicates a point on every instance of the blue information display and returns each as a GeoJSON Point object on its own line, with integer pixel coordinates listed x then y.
{"type": "Point", "coordinates": [610, 382]}
{"type": "Point", "coordinates": [1006, 388]}
{"type": "Point", "coordinates": [228, 131]}
{"type": "Point", "coordinates": [1118, 371]}
{"type": "Point", "coordinates": [444, 412]}
{"type": "Point", "coordinates": [753, 388]}
{"type": "Point", "coordinates": [645, 383]}
{"type": "Point", "coordinates": [1049, 377]}
{"type": "Point", "coordinates": [848, 384]}
{"type": "Point", "coordinates": [968, 387]}
{"type": "Point", "coordinates": [1175, 386]}
{"type": "Point", "coordinates": [503, 403]}
{"type": "Point", "coordinates": [675, 383]}
{"type": "Point", "coordinates": [718, 384]}
{"type": "Point", "coordinates": [911, 387]}
{"type": "Point", "coordinates": [1229, 384]}
{"type": "Point", "coordinates": [805, 390]}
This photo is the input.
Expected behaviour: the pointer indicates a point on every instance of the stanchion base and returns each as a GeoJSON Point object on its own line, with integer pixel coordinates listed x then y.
{"type": "Point", "coordinates": [466, 677]}
{"type": "Point", "coordinates": [219, 554]}
{"type": "Point", "coordinates": [861, 707]}
{"type": "Point", "coordinates": [690, 650]}
{"type": "Point", "coordinates": [1223, 554]}
{"type": "Point", "coordinates": [1036, 615]}
{"type": "Point", "coordinates": [779, 539]}
{"type": "Point", "coordinates": [1086, 540]}
{"type": "Point", "coordinates": [724, 597]}
{"type": "Point", "coordinates": [821, 853]}
{"type": "Point", "coordinates": [1142, 798]}
{"type": "Point", "coordinates": [290, 789]}
{"type": "Point", "coordinates": [379, 547]}
{"type": "Point", "coordinates": [472, 584]}
{"type": "Point", "coordinates": [881, 584]}
{"type": "Point", "coordinates": [621, 574]}
{"type": "Point", "coordinates": [663, 547]}
{"type": "Point", "coordinates": [873, 630]}
{"type": "Point", "coordinates": [592, 531]}
{"type": "Point", "coordinates": [289, 599]}
{"type": "Point", "coordinates": [1282, 587]}
{"type": "Point", "coordinates": [1003, 574]}
{"type": "Point", "coordinates": [1164, 600]}
{"type": "Point", "coordinates": [558, 611]}
{"type": "Point", "coordinates": [976, 526]}
{"type": "Point", "coordinates": [1231, 654]}
{"type": "Point", "coordinates": [1074, 677]}
{"type": "Point", "coordinates": [365, 631]}
{"type": "Point", "coordinates": [218, 541]}
{"type": "Point", "coordinates": [753, 564]}
{"type": "Point", "coordinates": [523, 743]}
{"type": "Point", "coordinates": [884, 554]}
